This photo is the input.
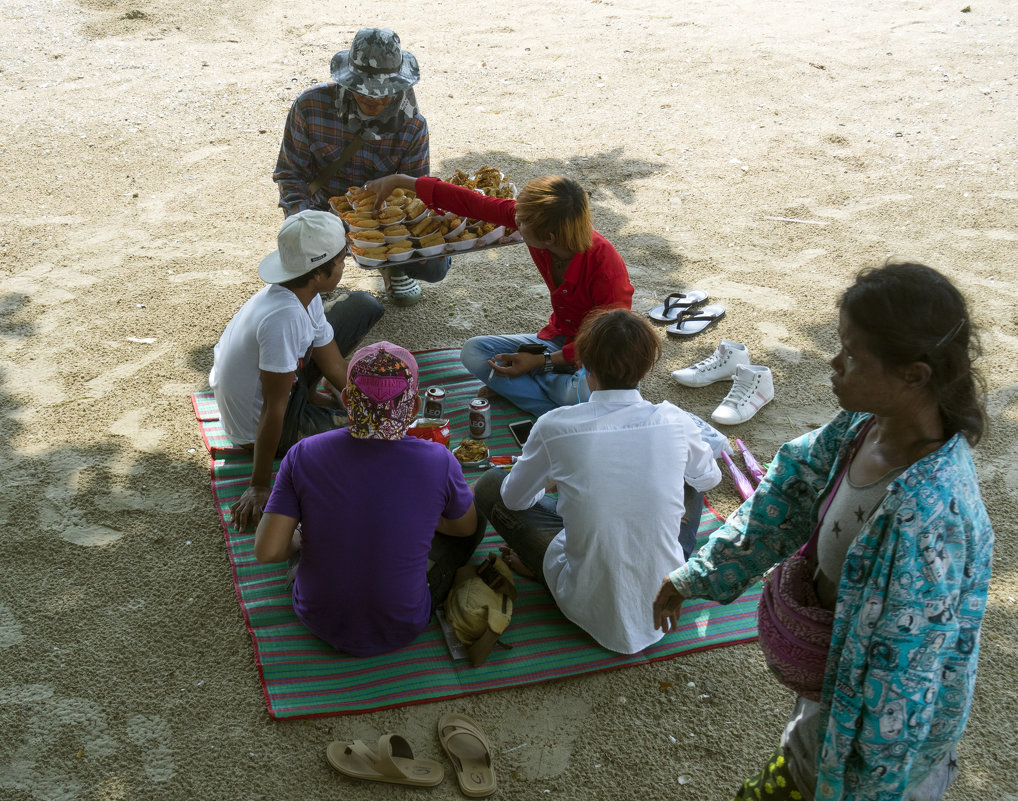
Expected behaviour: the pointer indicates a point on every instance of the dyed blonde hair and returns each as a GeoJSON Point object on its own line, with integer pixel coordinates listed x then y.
{"type": "Point", "coordinates": [557, 207]}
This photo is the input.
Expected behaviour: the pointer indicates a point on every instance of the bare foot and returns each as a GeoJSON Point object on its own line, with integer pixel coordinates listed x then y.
{"type": "Point", "coordinates": [515, 563]}
{"type": "Point", "coordinates": [487, 392]}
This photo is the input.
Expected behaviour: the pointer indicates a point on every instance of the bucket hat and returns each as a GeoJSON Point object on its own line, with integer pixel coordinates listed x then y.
{"type": "Point", "coordinates": [307, 240]}
{"type": "Point", "coordinates": [375, 65]}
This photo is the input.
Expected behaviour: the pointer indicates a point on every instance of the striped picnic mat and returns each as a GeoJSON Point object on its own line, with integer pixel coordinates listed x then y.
{"type": "Point", "coordinates": [303, 677]}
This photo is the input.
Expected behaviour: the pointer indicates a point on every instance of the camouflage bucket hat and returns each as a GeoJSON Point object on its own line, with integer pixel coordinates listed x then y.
{"type": "Point", "coordinates": [375, 65]}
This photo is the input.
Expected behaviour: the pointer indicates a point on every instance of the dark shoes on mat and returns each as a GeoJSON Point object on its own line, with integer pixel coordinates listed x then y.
{"type": "Point", "coordinates": [394, 762]}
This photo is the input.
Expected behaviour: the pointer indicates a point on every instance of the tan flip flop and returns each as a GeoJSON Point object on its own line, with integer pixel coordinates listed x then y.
{"type": "Point", "coordinates": [393, 763]}
{"type": "Point", "coordinates": [468, 749]}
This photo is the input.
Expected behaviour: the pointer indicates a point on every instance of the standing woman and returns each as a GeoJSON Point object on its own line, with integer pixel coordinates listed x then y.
{"type": "Point", "coordinates": [581, 269]}
{"type": "Point", "coordinates": [903, 548]}
{"type": "Point", "coordinates": [362, 125]}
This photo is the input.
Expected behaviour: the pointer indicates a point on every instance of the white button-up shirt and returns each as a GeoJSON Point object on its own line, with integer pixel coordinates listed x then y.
{"type": "Point", "coordinates": [620, 463]}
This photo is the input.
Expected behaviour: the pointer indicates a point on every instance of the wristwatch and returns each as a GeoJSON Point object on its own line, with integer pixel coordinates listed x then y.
{"type": "Point", "coordinates": [548, 364]}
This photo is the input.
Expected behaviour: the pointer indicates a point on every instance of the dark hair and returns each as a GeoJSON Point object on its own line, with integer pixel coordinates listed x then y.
{"type": "Point", "coordinates": [618, 347]}
{"type": "Point", "coordinates": [326, 270]}
{"type": "Point", "coordinates": [553, 205]}
{"type": "Point", "coordinates": [911, 313]}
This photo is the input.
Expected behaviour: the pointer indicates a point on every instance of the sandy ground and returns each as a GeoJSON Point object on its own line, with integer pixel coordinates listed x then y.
{"type": "Point", "coordinates": [137, 144]}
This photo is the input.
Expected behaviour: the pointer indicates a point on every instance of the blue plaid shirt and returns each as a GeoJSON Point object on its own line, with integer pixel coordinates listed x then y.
{"type": "Point", "coordinates": [314, 137]}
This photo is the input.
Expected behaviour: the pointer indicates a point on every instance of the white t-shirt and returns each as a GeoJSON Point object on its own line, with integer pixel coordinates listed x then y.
{"type": "Point", "coordinates": [271, 332]}
{"type": "Point", "coordinates": [620, 463]}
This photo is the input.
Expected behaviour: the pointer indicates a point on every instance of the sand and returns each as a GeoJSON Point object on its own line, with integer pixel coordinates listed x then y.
{"type": "Point", "coordinates": [137, 147]}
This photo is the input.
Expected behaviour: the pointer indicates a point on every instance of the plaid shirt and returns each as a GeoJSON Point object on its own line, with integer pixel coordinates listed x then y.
{"type": "Point", "coordinates": [314, 137]}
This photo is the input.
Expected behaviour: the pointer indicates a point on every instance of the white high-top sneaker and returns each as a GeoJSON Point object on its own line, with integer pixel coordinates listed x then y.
{"type": "Point", "coordinates": [719, 366]}
{"type": "Point", "coordinates": [752, 389]}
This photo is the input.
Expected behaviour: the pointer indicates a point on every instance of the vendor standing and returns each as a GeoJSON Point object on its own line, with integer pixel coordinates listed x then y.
{"type": "Point", "coordinates": [581, 269]}
{"type": "Point", "coordinates": [364, 124]}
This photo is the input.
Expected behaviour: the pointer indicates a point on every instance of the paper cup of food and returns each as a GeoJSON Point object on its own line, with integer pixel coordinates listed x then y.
{"type": "Point", "coordinates": [399, 251]}
{"type": "Point", "coordinates": [413, 220]}
{"type": "Point", "coordinates": [340, 205]}
{"type": "Point", "coordinates": [365, 239]}
{"type": "Point", "coordinates": [457, 245]}
{"type": "Point", "coordinates": [515, 236]}
{"type": "Point", "coordinates": [491, 237]}
{"type": "Point", "coordinates": [429, 225]}
{"type": "Point", "coordinates": [391, 215]}
{"type": "Point", "coordinates": [396, 233]}
{"type": "Point", "coordinates": [363, 224]}
{"type": "Point", "coordinates": [454, 226]}
{"type": "Point", "coordinates": [369, 257]}
{"type": "Point", "coordinates": [431, 250]}
{"type": "Point", "coordinates": [429, 241]}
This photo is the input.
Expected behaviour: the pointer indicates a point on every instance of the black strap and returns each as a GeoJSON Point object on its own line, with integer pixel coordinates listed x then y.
{"type": "Point", "coordinates": [333, 167]}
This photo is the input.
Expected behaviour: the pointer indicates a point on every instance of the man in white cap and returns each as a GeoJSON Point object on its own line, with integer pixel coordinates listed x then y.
{"type": "Point", "coordinates": [269, 360]}
{"type": "Point", "coordinates": [362, 125]}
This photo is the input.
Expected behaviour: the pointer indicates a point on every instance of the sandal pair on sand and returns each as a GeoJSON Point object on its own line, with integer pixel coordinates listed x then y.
{"type": "Point", "coordinates": [394, 762]}
{"type": "Point", "coordinates": [686, 313]}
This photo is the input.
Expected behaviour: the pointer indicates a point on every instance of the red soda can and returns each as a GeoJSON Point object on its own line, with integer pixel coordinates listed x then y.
{"type": "Point", "coordinates": [480, 418]}
{"type": "Point", "coordinates": [434, 402]}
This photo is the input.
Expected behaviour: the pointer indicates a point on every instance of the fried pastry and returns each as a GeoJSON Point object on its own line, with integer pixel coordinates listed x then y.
{"type": "Point", "coordinates": [368, 236]}
{"type": "Point", "coordinates": [431, 240]}
{"type": "Point", "coordinates": [426, 226]}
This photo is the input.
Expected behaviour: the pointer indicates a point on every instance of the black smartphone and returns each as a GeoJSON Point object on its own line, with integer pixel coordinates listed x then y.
{"type": "Point", "coordinates": [520, 429]}
{"type": "Point", "coordinates": [532, 348]}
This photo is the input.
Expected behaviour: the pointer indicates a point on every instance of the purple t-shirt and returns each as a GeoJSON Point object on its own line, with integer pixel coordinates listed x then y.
{"type": "Point", "coordinates": [368, 510]}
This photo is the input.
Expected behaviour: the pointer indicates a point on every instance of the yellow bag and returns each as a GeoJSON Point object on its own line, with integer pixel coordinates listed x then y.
{"type": "Point", "coordinates": [480, 605]}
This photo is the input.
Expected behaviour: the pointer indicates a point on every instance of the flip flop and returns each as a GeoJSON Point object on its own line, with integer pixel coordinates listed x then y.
{"type": "Point", "coordinates": [467, 747]}
{"type": "Point", "coordinates": [675, 304]}
{"type": "Point", "coordinates": [694, 321]}
{"type": "Point", "coordinates": [394, 762]}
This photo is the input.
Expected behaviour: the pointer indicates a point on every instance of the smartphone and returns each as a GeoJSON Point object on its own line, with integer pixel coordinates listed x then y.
{"type": "Point", "coordinates": [532, 348]}
{"type": "Point", "coordinates": [520, 429]}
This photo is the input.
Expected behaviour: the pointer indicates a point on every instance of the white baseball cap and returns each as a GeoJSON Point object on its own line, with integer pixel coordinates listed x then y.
{"type": "Point", "coordinates": [307, 240]}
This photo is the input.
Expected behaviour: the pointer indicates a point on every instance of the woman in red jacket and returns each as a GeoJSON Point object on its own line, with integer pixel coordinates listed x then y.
{"type": "Point", "coordinates": [580, 267]}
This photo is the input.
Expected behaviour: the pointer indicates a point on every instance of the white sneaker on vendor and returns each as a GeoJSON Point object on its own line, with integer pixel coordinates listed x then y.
{"type": "Point", "coordinates": [719, 366]}
{"type": "Point", "coordinates": [752, 389]}
{"type": "Point", "coordinates": [405, 290]}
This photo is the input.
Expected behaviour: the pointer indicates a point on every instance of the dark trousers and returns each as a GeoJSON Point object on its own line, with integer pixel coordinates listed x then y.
{"type": "Point", "coordinates": [447, 555]}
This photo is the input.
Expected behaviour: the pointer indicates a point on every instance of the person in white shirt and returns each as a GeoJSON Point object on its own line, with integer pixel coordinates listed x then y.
{"type": "Point", "coordinates": [268, 362]}
{"type": "Point", "coordinates": [620, 465]}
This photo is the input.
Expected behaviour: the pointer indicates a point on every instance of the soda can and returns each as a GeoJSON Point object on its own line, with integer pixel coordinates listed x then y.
{"type": "Point", "coordinates": [434, 403]}
{"type": "Point", "coordinates": [480, 418]}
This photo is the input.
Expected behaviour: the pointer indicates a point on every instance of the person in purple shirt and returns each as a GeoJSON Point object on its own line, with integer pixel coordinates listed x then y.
{"type": "Point", "coordinates": [385, 520]}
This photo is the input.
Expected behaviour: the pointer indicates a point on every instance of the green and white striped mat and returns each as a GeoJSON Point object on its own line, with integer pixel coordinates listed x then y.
{"type": "Point", "coordinates": [304, 677]}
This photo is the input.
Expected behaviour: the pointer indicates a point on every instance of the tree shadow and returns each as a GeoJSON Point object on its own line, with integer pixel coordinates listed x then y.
{"type": "Point", "coordinates": [12, 325]}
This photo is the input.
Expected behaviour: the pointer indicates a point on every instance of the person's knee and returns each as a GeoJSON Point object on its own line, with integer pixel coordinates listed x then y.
{"type": "Point", "coordinates": [431, 271]}
{"type": "Point", "coordinates": [352, 317]}
{"type": "Point", "coordinates": [487, 491]}
{"type": "Point", "coordinates": [475, 354]}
